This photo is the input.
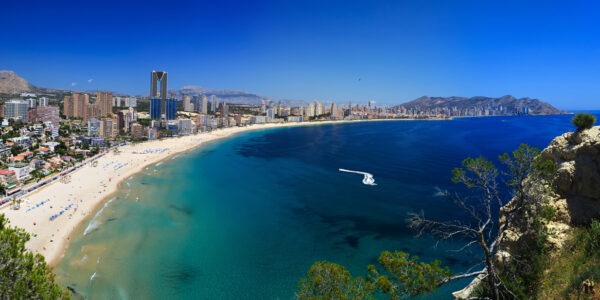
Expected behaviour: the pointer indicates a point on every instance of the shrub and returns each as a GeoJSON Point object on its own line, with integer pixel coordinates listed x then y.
{"type": "Point", "coordinates": [590, 238]}
{"type": "Point", "coordinates": [583, 121]}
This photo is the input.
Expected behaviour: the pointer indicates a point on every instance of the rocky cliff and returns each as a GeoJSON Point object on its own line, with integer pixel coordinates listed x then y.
{"type": "Point", "coordinates": [537, 107]}
{"type": "Point", "coordinates": [577, 182]}
{"type": "Point", "coordinates": [10, 82]}
{"type": "Point", "coordinates": [574, 198]}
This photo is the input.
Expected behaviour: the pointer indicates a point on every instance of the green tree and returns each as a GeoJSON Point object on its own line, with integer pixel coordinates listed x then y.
{"type": "Point", "coordinates": [327, 280]}
{"type": "Point", "coordinates": [404, 276]}
{"type": "Point", "coordinates": [16, 149]}
{"type": "Point", "coordinates": [583, 121]}
{"type": "Point", "coordinates": [24, 275]}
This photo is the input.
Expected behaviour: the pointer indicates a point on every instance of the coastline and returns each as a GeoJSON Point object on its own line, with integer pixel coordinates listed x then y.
{"type": "Point", "coordinates": [90, 187]}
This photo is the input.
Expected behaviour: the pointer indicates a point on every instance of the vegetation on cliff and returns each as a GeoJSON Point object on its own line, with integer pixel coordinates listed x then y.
{"type": "Point", "coordinates": [24, 275]}
{"type": "Point", "coordinates": [583, 121]}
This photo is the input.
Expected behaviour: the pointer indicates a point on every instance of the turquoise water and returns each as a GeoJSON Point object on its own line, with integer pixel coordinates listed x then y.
{"type": "Point", "coordinates": [245, 217]}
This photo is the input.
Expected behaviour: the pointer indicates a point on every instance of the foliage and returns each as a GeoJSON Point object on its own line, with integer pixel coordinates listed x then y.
{"type": "Point", "coordinates": [16, 149]}
{"type": "Point", "coordinates": [327, 280]}
{"type": "Point", "coordinates": [583, 121]}
{"type": "Point", "coordinates": [144, 122]}
{"type": "Point", "coordinates": [590, 238]}
{"type": "Point", "coordinates": [404, 276]}
{"type": "Point", "coordinates": [24, 275]}
{"type": "Point", "coordinates": [577, 261]}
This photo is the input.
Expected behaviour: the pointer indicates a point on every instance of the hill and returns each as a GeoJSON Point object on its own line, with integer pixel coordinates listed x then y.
{"type": "Point", "coordinates": [10, 82]}
{"type": "Point", "coordinates": [508, 102]}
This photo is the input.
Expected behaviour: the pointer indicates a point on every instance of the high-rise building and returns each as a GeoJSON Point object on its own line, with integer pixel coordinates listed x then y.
{"type": "Point", "coordinates": [270, 114]}
{"type": "Point", "coordinates": [108, 128]}
{"type": "Point", "coordinates": [155, 77]}
{"type": "Point", "coordinates": [187, 103]}
{"type": "Point", "coordinates": [333, 110]}
{"type": "Point", "coordinates": [155, 108]}
{"type": "Point", "coordinates": [204, 104]}
{"type": "Point", "coordinates": [213, 103]}
{"type": "Point", "coordinates": [171, 109]}
{"type": "Point", "coordinates": [263, 106]}
{"type": "Point", "coordinates": [76, 106]}
{"type": "Point", "coordinates": [17, 110]}
{"type": "Point", "coordinates": [105, 103]}
{"type": "Point", "coordinates": [137, 131]}
{"type": "Point", "coordinates": [318, 108]}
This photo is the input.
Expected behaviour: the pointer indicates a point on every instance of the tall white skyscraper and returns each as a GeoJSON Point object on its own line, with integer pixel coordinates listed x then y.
{"type": "Point", "coordinates": [204, 104]}
{"type": "Point", "coordinates": [213, 103]}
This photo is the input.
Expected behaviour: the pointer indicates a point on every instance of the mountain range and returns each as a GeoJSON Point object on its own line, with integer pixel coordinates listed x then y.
{"type": "Point", "coordinates": [10, 83]}
{"type": "Point", "coordinates": [536, 106]}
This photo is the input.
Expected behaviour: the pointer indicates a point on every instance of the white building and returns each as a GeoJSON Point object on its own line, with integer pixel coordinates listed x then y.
{"type": "Point", "coordinates": [17, 110]}
{"type": "Point", "coordinates": [204, 104]}
{"type": "Point", "coordinates": [21, 170]}
{"type": "Point", "coordinates": [213, 103]}
{"type": "Point", "coordinates": [270, 114]}
{"type": "Point", "coordinates": [258, 120]}
{"type": "Point", "coordinates": [185, 126]}
{"type": "Point", "coordinates": [43, 101]}
{"type": "Point", "coordinates": [32, 102]}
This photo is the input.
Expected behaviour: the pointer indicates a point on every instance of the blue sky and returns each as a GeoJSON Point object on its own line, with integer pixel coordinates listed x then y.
{"type": "Point", "coordinates": [387, 51]}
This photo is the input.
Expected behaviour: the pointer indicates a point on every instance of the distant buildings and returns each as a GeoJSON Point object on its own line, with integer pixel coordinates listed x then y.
{"type": "Point", "coordinates": [213, 103]}
{"type": "Point", "coordinates": [270, 114]}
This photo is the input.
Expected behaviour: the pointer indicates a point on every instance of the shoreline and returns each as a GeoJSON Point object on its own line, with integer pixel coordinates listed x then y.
{"type": "Point", "coordinates": [91, 187]}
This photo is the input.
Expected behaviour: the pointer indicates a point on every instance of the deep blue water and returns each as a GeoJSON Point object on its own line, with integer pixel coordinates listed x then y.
{"type": "Point", "coordinates": [245, 218]}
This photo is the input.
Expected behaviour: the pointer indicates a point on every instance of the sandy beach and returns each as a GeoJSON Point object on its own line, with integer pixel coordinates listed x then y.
{"type": "Point", "coordinates": [90, 186]}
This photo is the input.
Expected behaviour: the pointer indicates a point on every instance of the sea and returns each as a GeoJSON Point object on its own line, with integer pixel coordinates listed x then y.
{"type": "Point", "coordinates": [245, 217]}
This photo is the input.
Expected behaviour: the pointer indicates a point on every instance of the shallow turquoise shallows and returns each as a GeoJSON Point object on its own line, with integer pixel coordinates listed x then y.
{"type": "Point", "coordinates": [245, 217]}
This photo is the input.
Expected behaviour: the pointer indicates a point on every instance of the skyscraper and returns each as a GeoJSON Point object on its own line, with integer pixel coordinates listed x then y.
{"type": "Point", "coordinates": [105, 103]}
{"type": "Point", "coordinates": [155, 77]}
{"type": "Point", "coordinates": [187, 103]}
{"type": "Point", "coordinates": [155, 108]}
{"type": "Point", "coordinates": [76, 106]}
{"type": "Point", "coordinates": [17, 109]}
{"type": "Point", "coordinates": [171, 109]}
{"type": "Point", "coordinates": [204, 104]}
{"type": "Point", "coordinates": [213, 103]}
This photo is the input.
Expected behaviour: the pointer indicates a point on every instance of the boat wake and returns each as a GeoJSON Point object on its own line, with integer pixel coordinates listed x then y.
{"type": "Point", "coordinates": [368, 179]}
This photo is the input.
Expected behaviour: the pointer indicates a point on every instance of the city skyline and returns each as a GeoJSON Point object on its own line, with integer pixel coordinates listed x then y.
{"type": "Point", "coordinates": [391, 53]}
